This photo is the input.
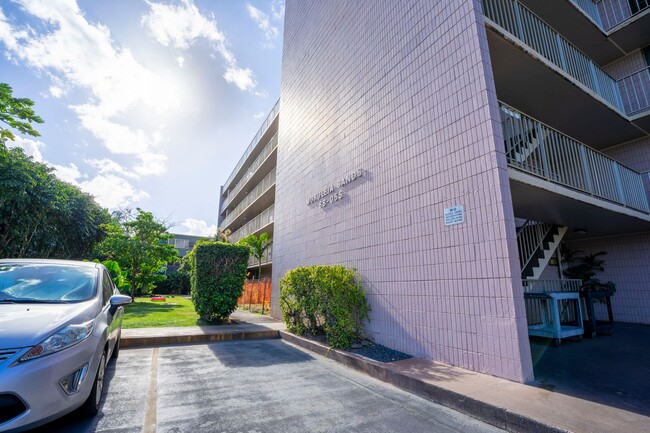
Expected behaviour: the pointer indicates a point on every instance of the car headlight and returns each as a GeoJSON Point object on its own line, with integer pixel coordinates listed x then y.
{"type": "Point", "coordinates": [66, 337]}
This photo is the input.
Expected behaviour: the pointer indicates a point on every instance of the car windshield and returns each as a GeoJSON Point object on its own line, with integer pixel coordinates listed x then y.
{"type": "Point", "coordinates": [46, 283]}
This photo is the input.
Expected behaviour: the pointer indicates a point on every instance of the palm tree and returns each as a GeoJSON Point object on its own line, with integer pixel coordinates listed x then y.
{"type": "Point", "coordinates": [257, 245]}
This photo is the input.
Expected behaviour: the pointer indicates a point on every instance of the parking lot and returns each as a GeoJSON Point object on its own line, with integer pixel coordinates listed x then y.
{"type": "Point", "coordinates": [253, 386]}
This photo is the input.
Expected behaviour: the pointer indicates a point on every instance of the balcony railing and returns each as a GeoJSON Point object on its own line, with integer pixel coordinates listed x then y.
{"type": "Point", "coordinates": [522, 23]}
{"type": "Point", "coordinates": [635, 91]}
{"type": "Point", "coordinates": [551, 285]}
{"type": "Point", "coordinates": [263, 219]}
{"type": "Point", "coordinates": [268, 149]}
{"type": "Point", "coordinates": [267, 122]}
{"type": "Point", "coordinates": [614, 12]}
{"type": "Point", "coordinates": [260, 189]}
{"type": "Point", "coordinates": [544, 152]}
{"type": "Point", "coordinates": [590, 8]}
{"type": "Point", "coordinates": [266, 259]}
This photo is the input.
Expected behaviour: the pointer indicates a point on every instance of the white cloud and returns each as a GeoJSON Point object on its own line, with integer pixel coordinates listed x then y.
{"type": "Point", "coordinates": [242, 78]}
{"type": "Point", "coordinates": [181, 26]}
{"type": "Point", "coordinates": [109, 190]}
{"type": "Point", "coordinates": [80, 54]}
{"type": "Point", "coordinates": [277, 9]}
{"type": "Point", "coordinates": [259, 115]}
{"type": "Point", "coordinates": [263, 22]}
{"type": "Point", "coordinates": [181, 61]}
{"type": "Point", "coordinates": [107, 166]}
{"type": "Point", "coordinates": [69, 173]}
{"type": "Point", "coordinates": [30, 147]}
{"type": "Point", "coordinates": [112, 191]}
{"type": "Point", "coordinates": [151, 164]}
{"type": "Point", "coordinates": [198, 228]}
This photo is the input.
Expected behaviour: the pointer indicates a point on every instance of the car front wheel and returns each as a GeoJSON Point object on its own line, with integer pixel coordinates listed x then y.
{"type": "Point", "coordinates": [91, 405]}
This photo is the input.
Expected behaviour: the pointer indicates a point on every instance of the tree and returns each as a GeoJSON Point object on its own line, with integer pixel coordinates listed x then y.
{"type": "Point", "coordinates": [139, 245]}
{"type": "Point", "coordinates": [16, 113]}
{"type": "Point", "coordinates": [257, 245]}
{"type": "Point", "coordinates": [41, 216]}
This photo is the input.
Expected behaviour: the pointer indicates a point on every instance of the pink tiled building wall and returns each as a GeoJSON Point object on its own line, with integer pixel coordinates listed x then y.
{"type": "Point", "coordinates": [404, 92]}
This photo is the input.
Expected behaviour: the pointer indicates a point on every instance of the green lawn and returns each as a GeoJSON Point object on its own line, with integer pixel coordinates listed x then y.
{"type": "Point", "coordinates": [176, 311]}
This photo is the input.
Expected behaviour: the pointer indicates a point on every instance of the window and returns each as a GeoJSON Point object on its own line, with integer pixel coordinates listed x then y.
{"type": "Point", "coordinates": [107, 286]}
{"type": "Point", "coordinates": [180, 243]}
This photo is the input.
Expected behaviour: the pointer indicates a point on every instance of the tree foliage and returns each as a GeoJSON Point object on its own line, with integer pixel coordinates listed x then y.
{"type": "Point", "coordinates": [217, 274]}
{"type": "Point", "coordinates": [41, 216]}
{"type": "Point", "coordinates": [138, 243]}
{"type": "Point", "coordinates": [17, 113]}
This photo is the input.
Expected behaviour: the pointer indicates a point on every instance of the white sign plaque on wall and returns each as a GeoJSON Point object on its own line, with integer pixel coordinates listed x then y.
{"type": "Point", "coordinates": [454, 215]}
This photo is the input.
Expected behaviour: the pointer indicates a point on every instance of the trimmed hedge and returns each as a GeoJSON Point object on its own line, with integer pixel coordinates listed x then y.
{"type": "Point", "coordinates": [329, 300]}
{"type": "Point", "coordinates": [217, 274]}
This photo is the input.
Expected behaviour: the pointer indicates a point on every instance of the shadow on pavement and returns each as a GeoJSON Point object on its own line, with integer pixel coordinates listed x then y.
{"type": "Point", "coordinates": [257, 353]}
{"type": "Point", "coordinates": [611, 370]}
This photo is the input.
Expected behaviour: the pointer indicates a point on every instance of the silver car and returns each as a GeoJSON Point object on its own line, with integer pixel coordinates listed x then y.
{"type": "Point", "coordinates": [60, 323]}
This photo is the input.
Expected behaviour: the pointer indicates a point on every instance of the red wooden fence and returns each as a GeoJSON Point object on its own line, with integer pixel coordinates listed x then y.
{"type": "Point", "coordinates": [256, 295]}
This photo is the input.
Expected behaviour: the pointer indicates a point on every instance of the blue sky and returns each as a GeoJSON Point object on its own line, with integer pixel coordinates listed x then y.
{"type": "Point", "coordinates": [147, 103]}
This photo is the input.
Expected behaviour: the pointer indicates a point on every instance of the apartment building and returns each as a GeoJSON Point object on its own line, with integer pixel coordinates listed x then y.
{"type": "Point", "coordinates": [246, 203]}
{"type": "Point", "coordinates": [445, 150]}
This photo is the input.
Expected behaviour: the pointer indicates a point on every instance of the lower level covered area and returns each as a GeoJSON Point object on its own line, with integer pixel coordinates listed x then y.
{"type": "Point", "coordinates": [610, 370]}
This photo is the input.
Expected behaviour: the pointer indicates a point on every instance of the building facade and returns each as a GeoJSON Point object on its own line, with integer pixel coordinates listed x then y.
{"type": "Point", "coordinates": [446, 149]}
{"type": "Point", "coordinates": [246, 202]}
{"type": "Point", "coordinates": [184, 244]}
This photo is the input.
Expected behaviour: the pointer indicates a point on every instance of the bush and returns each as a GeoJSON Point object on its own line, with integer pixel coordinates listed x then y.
{"type": "Point", "coordinates": [217, 274]}
{"type": "Point", "coordinates": [327, 300]}
{"type": "Point", "coordinates": [176, 283]}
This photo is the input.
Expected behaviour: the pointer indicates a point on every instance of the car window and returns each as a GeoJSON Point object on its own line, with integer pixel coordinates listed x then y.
{"type": "Point", "coordinates": [46, 283]}
{"type": "Point", "coordinates": [107, 285]}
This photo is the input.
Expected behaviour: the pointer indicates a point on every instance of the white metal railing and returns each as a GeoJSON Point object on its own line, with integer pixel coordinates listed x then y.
{"type": "Point", "coordinates": [614, 12]}
{"type": "Point", "coordinates": [260, 189]}
{"type": "Point", "coordinates": [538, 149]}
{"type": "Point", "coordinates": [590, 8]}
{"type": "Point", "coordinates": [529, 239]}
{"type": "Point", "coordinates": [635, 91]}
{"type": "Point", "coordinates": [266, 258]}
{"type": "Point", "coordinates": [261, 220]}
{"type": "Point", "coordinates": [522, 23]}
{"type": "Point", "coordinates": [268, 149]}
{"type": "Point", "coordinates": [569, 285]}
{"type": "Point", "coordinates": [267, 122]}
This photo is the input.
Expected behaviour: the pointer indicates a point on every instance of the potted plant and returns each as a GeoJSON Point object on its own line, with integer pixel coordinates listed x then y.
{"type": "Point", "coordinates": [585, 267]}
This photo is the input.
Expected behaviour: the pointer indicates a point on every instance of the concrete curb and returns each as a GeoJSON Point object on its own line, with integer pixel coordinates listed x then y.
{"type": "Point", "coordinates": [228, 335]}
{"type": "Point", "coordinates": [481, 410]}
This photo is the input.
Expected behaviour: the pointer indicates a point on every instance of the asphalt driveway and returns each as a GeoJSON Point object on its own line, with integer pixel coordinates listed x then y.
{"type": "Point", "coordinates": [254, 386]}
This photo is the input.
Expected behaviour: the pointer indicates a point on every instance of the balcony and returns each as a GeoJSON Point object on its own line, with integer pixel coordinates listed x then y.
{"type": "Point", "coordinates": [537, 69]}
{"type": "Point", "coordinates": [263, 161]}
{"type": "Point", "coordinates": [260, 133]}
{"type": "Point", "coordinates": [556, 179]}
{"type": "Point", "coordinates": [605, 30]}
{"type": "Point", "coordinates": [262, 194]}
{"type": "Point", "coordinates": [263, 220]}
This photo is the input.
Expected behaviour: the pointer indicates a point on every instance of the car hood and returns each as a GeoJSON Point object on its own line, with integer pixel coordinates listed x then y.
{"type": "Point", "coordinates": [24, 325]}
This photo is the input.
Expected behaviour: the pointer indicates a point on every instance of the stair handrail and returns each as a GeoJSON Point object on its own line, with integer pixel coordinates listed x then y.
{"type": "Point", "coordinates": [529, 239]}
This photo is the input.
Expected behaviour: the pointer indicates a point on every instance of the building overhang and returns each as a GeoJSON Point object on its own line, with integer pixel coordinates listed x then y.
{"type": "Point", "coordinates": [578, 28]}
{"type": "Point", "coordinates": [603, 46]}
{"type": "Point", "coordinates": [535, 86]}
{"type": "Point", "coordinates": [539, 200]}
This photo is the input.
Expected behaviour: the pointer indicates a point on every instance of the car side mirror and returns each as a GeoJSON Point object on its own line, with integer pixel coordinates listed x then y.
{"type": "Point", "coordinates": [119, 300]}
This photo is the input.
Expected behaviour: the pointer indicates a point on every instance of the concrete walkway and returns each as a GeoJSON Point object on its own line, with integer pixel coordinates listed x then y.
{"type": "Point", "coordinates": [508, 405]}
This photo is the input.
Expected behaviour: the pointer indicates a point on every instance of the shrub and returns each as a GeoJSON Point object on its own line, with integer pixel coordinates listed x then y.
{"type": "Point", "coordinates": [176, 283]}
{"type": "Point", "coordinates": [325, 300]}
{"type": "Point", "coordinates": [217, 273]}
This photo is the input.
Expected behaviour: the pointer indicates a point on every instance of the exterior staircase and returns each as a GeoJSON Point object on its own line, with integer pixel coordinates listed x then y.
{"type": "Point", "coordinates": [537, 243]}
